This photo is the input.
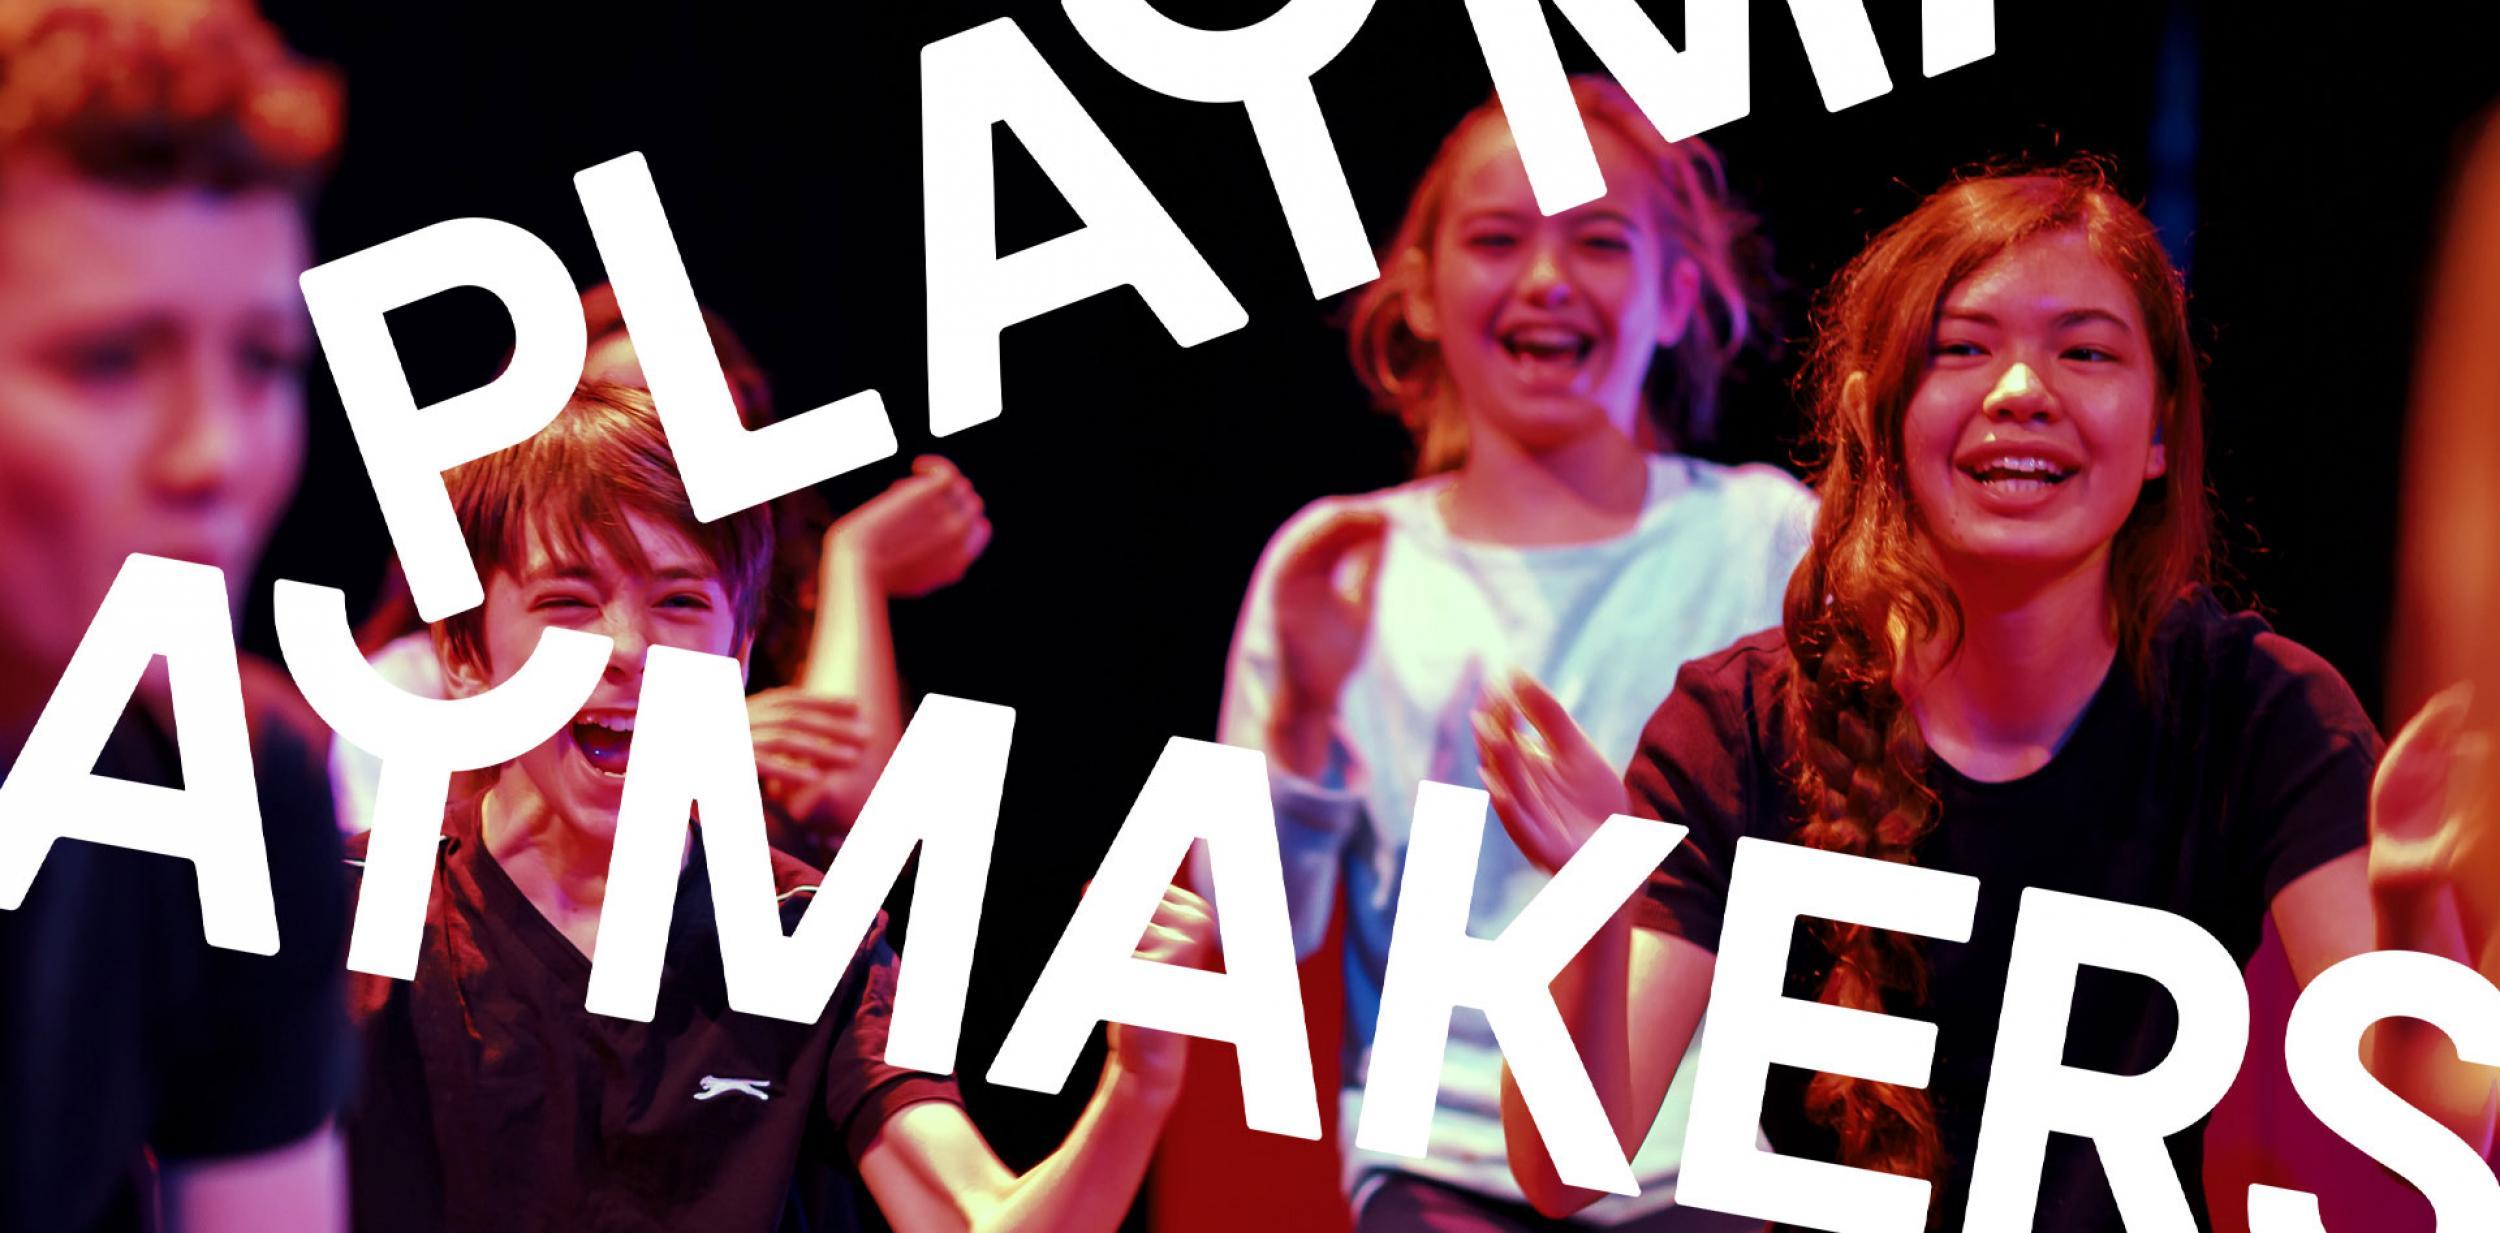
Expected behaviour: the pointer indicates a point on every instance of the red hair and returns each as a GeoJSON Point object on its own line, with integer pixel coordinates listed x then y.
{"type": "Point", "coordinates": [1699, 219]}
{"type": "Point", "coordinates": [1869, 587]}
{"type": "Point", "coordinates": [154, 94]}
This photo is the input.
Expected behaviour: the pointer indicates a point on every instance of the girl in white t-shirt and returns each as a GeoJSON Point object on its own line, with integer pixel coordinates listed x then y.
{"type": "Point", "coordinates": [1548, 367]}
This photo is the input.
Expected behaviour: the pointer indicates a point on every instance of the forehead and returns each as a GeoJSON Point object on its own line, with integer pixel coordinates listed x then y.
{"type": "Point", "coordinates": [72, 244]}
{"type": "Point", "coordinates": [549, 551]}
{"type": "Point", "coordinates": [2045, 278]}
{"type": "Point", "coordinates": [1486, 173]}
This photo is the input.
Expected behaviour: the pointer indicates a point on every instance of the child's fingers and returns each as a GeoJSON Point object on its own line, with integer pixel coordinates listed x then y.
{"type": "Point", "coordinates": [837, 720]}
{"type": "Point", "coordinates": [2409, 797]}
{"type": "Point", "coordinates": [802, 749]}
{"type": "Point", "coordinates": [1543, 713]}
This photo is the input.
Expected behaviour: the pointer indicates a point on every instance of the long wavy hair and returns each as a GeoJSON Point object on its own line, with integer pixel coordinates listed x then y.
{"type": "Point", "coordinates": [1870, 588]}
{"type": "Point", "coordinates": [1697, 214]}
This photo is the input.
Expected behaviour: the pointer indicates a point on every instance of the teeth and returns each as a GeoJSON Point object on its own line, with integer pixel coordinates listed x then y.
{"type": "Point", "coordinates": [2025, 467]}
{"type": "Point", "coordinates": [613, 723]}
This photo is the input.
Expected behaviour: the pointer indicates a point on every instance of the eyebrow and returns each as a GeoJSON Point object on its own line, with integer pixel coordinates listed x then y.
{"type": "Point", "coordinates": [2070, 317]}
{"type": "Point", "coordinates": [583, 573]}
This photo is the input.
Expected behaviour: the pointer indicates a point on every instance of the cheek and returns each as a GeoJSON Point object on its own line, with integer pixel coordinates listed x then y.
{"type": "Point", "coordinates": [277, 437]}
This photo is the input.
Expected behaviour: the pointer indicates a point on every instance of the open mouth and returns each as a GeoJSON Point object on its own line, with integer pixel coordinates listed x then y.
{"type": "Point", "coordinates": [605, 739]}
{"type": "Point", "coordinates": [2018, 475]}
{"type": "Point", "coordinates": [1547, 348]}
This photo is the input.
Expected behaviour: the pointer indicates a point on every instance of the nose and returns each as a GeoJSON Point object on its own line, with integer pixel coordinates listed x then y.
{"type": "Point", "coordinates": [629, 638]}
{"type": "Point", "coordinates": [201, 447]}
{"type": "Point", "coordinates": [2020, 394]}
{"type": "Point", "coordinates": [1544, 282]}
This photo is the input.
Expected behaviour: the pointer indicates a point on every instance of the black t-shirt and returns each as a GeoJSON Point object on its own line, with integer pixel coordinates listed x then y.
{"type": "Point", "coordinates": [121, 1029]}
{"type": "Point", "coordinates": [2249, 767]}
{"type": "Point", "coordinates": [495, 1101]}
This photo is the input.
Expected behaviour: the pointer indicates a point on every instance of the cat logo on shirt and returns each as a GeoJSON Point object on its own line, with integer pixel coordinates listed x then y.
{"type": "Point", "coordinates": [713, 1085]}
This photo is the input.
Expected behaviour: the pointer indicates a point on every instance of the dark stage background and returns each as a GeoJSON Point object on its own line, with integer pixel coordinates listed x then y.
{"type": "Point", "coordinates": [2298, 167]}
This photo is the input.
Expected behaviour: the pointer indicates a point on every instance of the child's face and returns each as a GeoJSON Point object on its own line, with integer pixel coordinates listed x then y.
{"type": "Point", "coordinates": [678, 601]}
{"type": "Point", "coordinates": [1547, 326]}
{"type": "Point", "coordinates": [2032, 433]}
{"type": "Point", "coordinates": [151, 347]}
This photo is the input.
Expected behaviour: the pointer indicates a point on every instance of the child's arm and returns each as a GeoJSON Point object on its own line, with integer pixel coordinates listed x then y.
{"type": "Point", "coordinates": [1628, 983]}
{"type": "Point", "coordinates": [300, 1185]}
{"type": "Point", "coordinates": [1302, 629]}
{"type": "Point", "coordinates": [930, 1169]}
{"type": "Point", "coordinates": [821, 743]}
{"type": "Point", "coordinates": [2404, 893]}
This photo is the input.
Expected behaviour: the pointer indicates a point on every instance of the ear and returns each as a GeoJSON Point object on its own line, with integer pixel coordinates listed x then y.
{"type": "Point", "coordinates": [1682, 298]}
{"type": "Point", "coordinates": [461, 677]}
{"type": "Point", "coordinates": [746, 657]}
{"type": "Point", "coordinates": [1423, 319]}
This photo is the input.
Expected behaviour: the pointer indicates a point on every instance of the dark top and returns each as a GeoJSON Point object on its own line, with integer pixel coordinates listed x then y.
{"type": "Point", "coordinates": [494, 1100]}
{"type": "Point", "coordinates": [122, 1030]}
{"type": "Point", "coordinates": [2250, 767]}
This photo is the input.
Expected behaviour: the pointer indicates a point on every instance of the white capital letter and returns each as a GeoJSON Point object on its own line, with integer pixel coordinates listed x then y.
{"type": "Point", "coordinates": [178, 610]}
{"type": "Point", "coordinates": [406, 453]}
{"type": "Point", "coordinates": [420, 741]}
{"type": "Point", "coordinates": [2321, 1046]}
{"type": "Point", "coordinates": [2031, 1091]}
{"type": "Point", "coordinates": [1750, 1025]}
{"type": "Point", "coordinates": [1267, 65]}
{"type": "Point", "coordinates": [1436, 967]}
{"type": "Point", "coordinates": [939, 792]}
{"type": "Point", "coordinates": [725, 466]}
{"type": "Point", "coordinates": [1196, 790]}
{"type": "Point", "coordinates": [1683, 93]}
{"type": "Point", "coordinates": [968, 83]}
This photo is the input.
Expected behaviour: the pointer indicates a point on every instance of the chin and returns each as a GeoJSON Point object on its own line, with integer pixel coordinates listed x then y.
{"type": "Point", "coordinates": [1548, 423]}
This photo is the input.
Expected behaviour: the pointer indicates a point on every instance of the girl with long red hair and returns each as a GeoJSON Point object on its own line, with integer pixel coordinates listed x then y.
{"type": "Point", "coordinates": [1999, 659]}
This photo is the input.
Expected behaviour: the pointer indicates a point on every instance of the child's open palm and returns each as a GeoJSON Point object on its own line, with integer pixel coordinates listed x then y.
{"type": "Point", "coordinates": [1549, 784]}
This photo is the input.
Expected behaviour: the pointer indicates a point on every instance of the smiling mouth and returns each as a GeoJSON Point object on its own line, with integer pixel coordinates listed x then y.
{"type": "Point", "coordinates": [2017, 476]}
{"type": "Point", "coordinates": [604, 740]}
{"type": "Point", "coordinates": [1547, 346]}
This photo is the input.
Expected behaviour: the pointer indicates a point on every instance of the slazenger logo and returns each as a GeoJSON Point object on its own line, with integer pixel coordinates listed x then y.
{"type": "Point", "coordinates": [713, 1085]}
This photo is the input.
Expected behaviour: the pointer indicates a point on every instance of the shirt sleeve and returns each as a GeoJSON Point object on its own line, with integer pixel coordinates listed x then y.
{"type": "Point", "coordinates": [2306, 770]}
{"type": "Point", "coordinates": [1315, 818]}
{"type": "Point", "coordinates": [1693, 768]}
{"type": "Point", "coordinates": [862, 1092]}
{"type": "Point", "coordinates": [262, 1054]}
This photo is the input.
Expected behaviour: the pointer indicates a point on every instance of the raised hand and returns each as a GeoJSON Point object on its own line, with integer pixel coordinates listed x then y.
{"type": "Point", "coordinates": [1549, 784]}
{"type": "Point", "coordinates": [1325, 591]}
{"type": "Point", "coordinates": [2435, 822]}
{"type": "Point", "coordinates": [921, 533]}
{"type": "Point", "coordinates": [1181, 933]}
{"type": "Point", "coordinates": [802, 739]}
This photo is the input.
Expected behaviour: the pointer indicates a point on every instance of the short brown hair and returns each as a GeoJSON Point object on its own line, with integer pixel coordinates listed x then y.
{"type": "Point", "coordinates": [154, 94]}
{"type": "Point", "coordinates": [572, 485]}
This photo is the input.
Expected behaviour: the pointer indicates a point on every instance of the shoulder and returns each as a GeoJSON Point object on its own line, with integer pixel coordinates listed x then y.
{"type": "Point", "coordinates": [795, 882]}
{"type": "Point", "coordinates": [1756, 487]}
{"type": "Point", "coordinates": [2254, 679]}
{"type": "Point", "coordinates": [1755, 501]}
{"type": "Point", "coordinates": [1728, 698]}
{"type": "Point", "coordinates": [1407, 506]}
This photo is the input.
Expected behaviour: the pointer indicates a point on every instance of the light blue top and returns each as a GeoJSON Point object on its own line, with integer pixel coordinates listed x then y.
{"type": "Point", "coordinates": [1602, 625]}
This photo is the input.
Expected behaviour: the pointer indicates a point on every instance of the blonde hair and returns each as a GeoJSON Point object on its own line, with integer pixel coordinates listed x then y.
{"type": "Point", "coordinates": [1702, 222]}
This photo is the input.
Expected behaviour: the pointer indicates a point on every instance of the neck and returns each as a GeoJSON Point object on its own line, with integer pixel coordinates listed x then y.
{"type": "Point", "coordinates": [561, 868]}
{"type": "Point", "coordinates": [2032, 656]}
{"type": "Point", "coordinates": [1589, 489]}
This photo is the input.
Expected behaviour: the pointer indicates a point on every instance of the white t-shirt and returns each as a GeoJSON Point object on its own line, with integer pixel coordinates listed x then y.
{"type": "Point", "coordinates": [1604, 626]}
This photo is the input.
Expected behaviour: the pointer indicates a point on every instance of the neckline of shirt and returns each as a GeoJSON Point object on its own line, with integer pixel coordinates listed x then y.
{"type": "Point", "coordinates": [1416, 507]}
